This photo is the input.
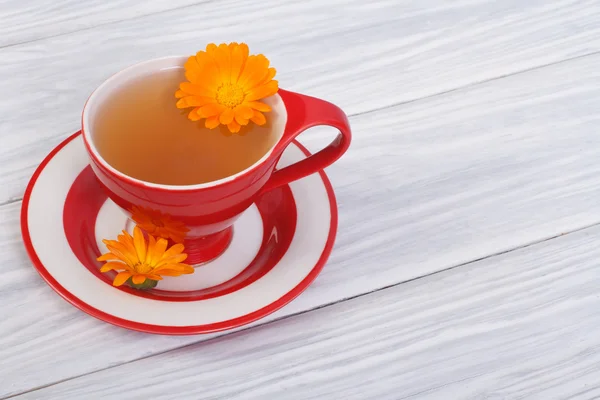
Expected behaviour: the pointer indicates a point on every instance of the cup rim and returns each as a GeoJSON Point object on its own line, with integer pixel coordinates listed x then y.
{"type": "Point", "coordinates": [176, 61]}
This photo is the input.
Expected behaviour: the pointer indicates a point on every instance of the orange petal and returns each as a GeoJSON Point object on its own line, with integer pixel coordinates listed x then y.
{"type": "Point", "coordinates": [245, 52]}
{"type": "Point", "coordinates": [160, 231]}
{"type": "Point", "coordinates": [109, 266]}
{"type": "Point", "coordinates": [243, 112]}
{"type": "Point", "coordinates": [212, 122]}
{"type": "Point", "coordinates": [169, 273]}
{"type": "Point", "coordinates": [192, 76]}
{"type": "Point", "coordinates": [121, 278]}
{"type": "Point", "coordinates": [211, 109]}
{"type": "Point", "coordinates": [242, 115]}
{"type": "Point", "coordinates": [177, 238]}
{"type": "Point", "coordinates": [222, 57]}
{"type": "Point", "coordinates": [254, 71]}
{"type": "Point", "coordinates": [177, 231]}
{"type": "Point", "coordinates": [154, 277]}
{"type": "Point", "coordinates": [177, 226]}
{"type": "Point", "coordinates": [139, 215]}
{"type": "Point", "coordinates": [151, 254]}
{"type": "Point", "coordinates": [270, 75]}
{"type": "Point", "coordinates": [227, 116]}
{"type": "Point", "coordinates": [179, 94]}
{"type": "Point", "coordinates": [180, 267]}
{"type": "Point", "coordinates": [172, 260]}
{"type": "Point", "coordinates": [196, 89]}
{"type": "Point", "coordinates": [192, 69]}
{"type": "Point", "coordinates": [193, 115]}
{"type": "Point", "coordinates": [191, 101]}
{"type": "Point", "coordinates": [239, 54]}
{"type": "Point", "coordinates": [174, 250]}
{"type": "Point", "coordinates": [211, 48]}
{"type": "Point", "coordinates": [204, 59]}
{"type": "Point", "coordinates": [197, 101]}
{"type": "Point", "coordinates": [257, 105]}
{"type": "Point", "coordinates": [191, 64]}
{"type": "Point", "coordinates": [263, 91]}
{"type": "Point", "coordinates": [188, 269]}
{"type": "Point", "coordinates": [108, 256]}
{"type": "Point", "coordinates": [127, 240]}
{"type": "Point", "coordinates": [158, 249]}
{"type": "Point", "coordinates": [209, 75]}
{"type": "Point", "coordinates": [148, 227]}
{"type": "Point", "coordinates": [140, 244]}
{"type": "Point", "coordinates": [234, 127]}
{"type": "Point", "coordinates": [242, 122]}
{"type": "Point", "coordinates": [139, 220]}
{"type": "Point", "coordinates": [258, 118]}
{"type": "Point", "coordinates": [174, 270]}
{"type": "Point", "coordinates": [138, 279]}
{"type": "Point", "coordinates": [124, 252]}
{"type": "Point", "coordinates": [119, 254]}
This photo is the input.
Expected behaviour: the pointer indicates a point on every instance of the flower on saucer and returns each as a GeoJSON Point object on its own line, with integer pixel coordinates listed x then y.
{"type": "Point", "coordinates": [158, 224]}
{"type": "Point", "coordinates": [142, 262]}
{"type": "Point", "coordinates": [225, 85]}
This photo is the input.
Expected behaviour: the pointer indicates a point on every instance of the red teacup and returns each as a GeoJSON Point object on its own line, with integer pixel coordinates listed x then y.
{"type": "Point", "coordinates": [201, 215]}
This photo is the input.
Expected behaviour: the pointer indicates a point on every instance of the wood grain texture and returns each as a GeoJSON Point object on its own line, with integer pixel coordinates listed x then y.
{"type": "Point", "coordinates": [360, 55]}
{"type": "Point", "coordinates": [26, 21]}
{"type": "Point", "coordinates": [524, 325]}
{"type": "Point", "coordinates": [45, 339]}
{"type": "Point", "coordinates": [425, 186]}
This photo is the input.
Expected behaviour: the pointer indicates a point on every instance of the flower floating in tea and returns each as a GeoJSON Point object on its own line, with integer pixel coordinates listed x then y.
{"type": "Point", "coordinates": [225, 85]}
{"type": "Point", "coordinates": [143, 262]}
{"type": "Point", "coordinates": [158, 224]}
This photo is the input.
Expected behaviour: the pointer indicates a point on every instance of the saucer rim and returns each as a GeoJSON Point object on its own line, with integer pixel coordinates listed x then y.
{"type": "Point", "coordinates": [164, 329]}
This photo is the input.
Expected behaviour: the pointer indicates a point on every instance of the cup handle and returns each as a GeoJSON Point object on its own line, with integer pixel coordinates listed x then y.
{"type": "Point", "coordinates": [304, 112]}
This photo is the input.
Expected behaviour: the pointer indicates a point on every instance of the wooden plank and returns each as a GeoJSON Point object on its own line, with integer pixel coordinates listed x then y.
{"type": "Point", "coordinates": [26, 21]}
{"type": "Point", "coordinates": [360, 55]}
{"type": "Point", "coordinates": [523, 325]}
{"type": "Point", "coordinates": [426, 186]}
{"type": "Point", "coordinates": [43, 337]}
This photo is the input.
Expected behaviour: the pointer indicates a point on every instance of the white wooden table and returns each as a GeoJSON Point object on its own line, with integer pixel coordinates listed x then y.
{"type": "Point", "coordinates": [467, 263]}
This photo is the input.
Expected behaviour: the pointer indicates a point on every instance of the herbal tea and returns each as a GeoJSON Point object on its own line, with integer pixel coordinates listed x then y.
{"type": "Point", "coordinates": [140, 132]}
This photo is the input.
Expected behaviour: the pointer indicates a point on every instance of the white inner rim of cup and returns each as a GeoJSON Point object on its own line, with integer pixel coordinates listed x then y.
{"type": "Point", "coordinates": [104, 92]}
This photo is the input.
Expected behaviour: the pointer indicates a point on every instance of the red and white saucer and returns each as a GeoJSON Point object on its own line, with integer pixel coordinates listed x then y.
{"type": "Point", "coordinates": [279, 246]}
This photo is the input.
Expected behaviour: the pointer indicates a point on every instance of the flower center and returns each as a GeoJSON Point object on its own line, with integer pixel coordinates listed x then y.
{"type": "Point", "coordinates": [158, 222]}
{"type": "Point", "coordinates": [142, 268]}
{"type": "Point", "coordinates": [230, 95]}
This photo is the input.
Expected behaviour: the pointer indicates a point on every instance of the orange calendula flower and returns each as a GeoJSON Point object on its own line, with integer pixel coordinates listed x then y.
{"type": "Point", "coordinates": [140, 259]}
{"type": "Point", "coordinates": [158, 224]}
{"type": "Point", "coordinates": [225, 85]}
